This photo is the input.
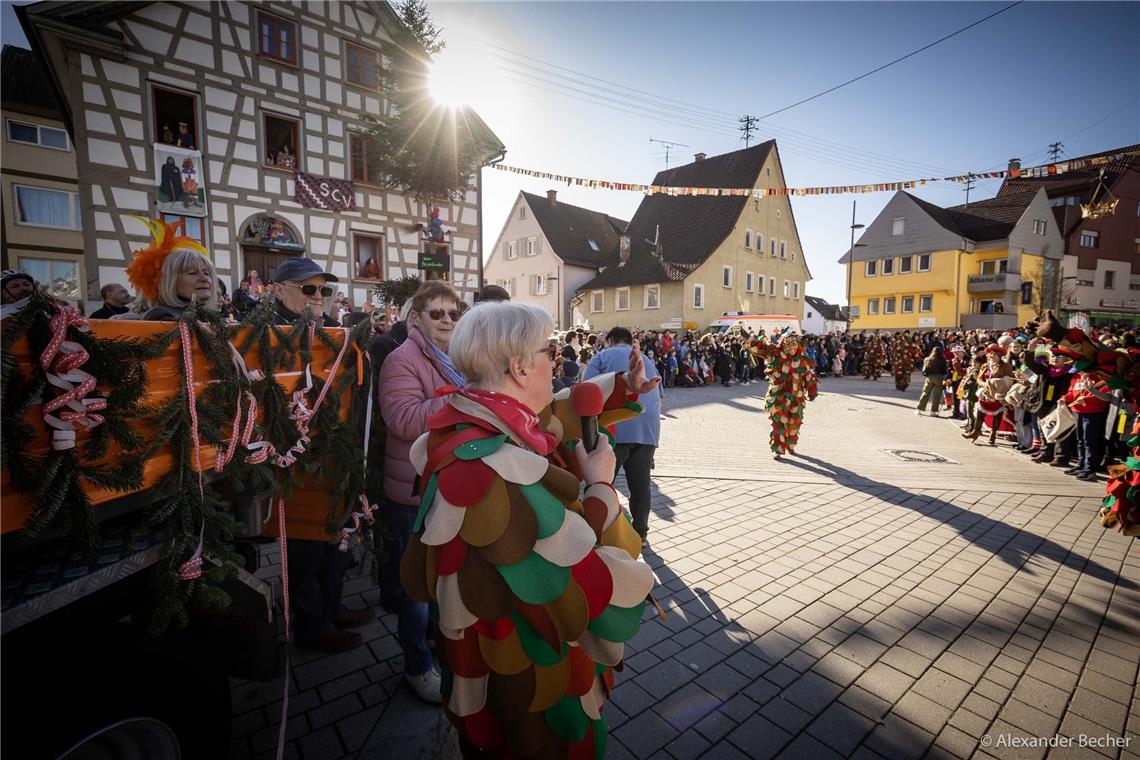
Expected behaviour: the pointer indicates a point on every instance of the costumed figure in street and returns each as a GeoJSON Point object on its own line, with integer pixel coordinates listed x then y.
{"type": "Point", "coordinates": [791, 384]}
{"type": "Point", "coordinates": [874, 357]}
{"type": "Point", "coordinates": [906, 354]}
{"type": "Point", "coordinates": [536, 584]}
{"type": "Point", "coordinates": [994, 380]}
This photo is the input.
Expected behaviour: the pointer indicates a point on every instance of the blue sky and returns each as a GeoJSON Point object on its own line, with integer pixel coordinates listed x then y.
{"type": "Point", "coordinates": [1038, 73]}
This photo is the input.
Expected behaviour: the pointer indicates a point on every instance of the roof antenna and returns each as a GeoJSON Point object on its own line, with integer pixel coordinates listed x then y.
{"type": "Point", "coordinates": [668, 146]}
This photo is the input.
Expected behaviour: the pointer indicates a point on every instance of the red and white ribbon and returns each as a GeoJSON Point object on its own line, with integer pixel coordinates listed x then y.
{"type": "Point", "coordinates": [61, 360]}
{"type": "Point", "coordinates": [192, 568]}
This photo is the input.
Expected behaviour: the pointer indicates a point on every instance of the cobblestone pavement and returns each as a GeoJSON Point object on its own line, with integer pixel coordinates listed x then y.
{"type": "Point", "coordinates": [839, 603]}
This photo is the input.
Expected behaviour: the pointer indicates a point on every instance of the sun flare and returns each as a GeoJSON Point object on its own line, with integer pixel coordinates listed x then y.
{"type": "Point", "coordinates": [456, 80]}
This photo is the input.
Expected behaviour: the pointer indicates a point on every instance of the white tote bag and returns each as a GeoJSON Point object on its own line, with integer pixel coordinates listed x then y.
{"type": "Point", "coordinates": [1057, 424]}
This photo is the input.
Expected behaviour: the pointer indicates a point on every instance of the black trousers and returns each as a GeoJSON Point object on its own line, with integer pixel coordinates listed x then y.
{"type": "Point", "coordinates": [316, 582]}
{"type": "Point", "coordinates": [636, 459]}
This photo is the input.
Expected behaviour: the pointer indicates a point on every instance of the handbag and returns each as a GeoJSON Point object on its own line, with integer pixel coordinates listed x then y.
{"type": "Point", "coordinates": [1057, 424]}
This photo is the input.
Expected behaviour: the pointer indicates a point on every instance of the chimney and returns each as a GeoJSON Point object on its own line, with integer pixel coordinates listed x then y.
{"type": "Point", "coordinates": [552, 197]}
{"type": "Point", "coordinates": [1014, 166]}
{"type": "Point", "coordinates": [699, 157]}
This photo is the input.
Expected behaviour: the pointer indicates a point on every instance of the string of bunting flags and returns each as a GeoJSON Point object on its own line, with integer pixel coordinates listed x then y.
{"type": "Point", "coordinates": [1045, 170]}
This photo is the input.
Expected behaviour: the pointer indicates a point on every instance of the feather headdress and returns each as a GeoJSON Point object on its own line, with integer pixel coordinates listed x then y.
{"type": "Point", "coordinates": [145, 270]}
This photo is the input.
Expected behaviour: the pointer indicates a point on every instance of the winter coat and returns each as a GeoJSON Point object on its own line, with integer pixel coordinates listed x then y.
{"type": "Point", "coordinates": [408, 381]}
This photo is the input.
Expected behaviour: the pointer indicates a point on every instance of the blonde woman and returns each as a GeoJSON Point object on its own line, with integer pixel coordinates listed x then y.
{"type": "Point", "coordinates": [173, 272]}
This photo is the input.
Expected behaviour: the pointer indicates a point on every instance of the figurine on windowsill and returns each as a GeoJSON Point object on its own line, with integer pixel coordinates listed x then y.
{"type": "Point", "coordinates": [167, 135]}
{"type": "Point", "coordinates": [184, 139]}
{"type": "Point", "coordinates": [285, 158]}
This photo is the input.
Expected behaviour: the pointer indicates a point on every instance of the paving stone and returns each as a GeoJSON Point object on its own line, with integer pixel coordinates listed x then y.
{"type": "Point", "coordinates": [970, 723]}
{"type": "Point", "coordinates": [686, 706]}
{"type": "Point", "coordinates": [744, 662]}
{"type": "Point", "coordinates": [922, 712]}
{"type": "Point", "coordinates": [722, 681]}
{"type": "Point", "coordinates": [1100, 709]}
{"type": "Point", "coordinates": [688, 746]}
{"type": "Point", "coordinates": [840, 728]}
{"type": "Point", "coordinates": [1042, 696]}
{"type": "Point", "coordinates": [323, 743]}
{"type": "Point", "coordinates": [807, 747]}
{"type": "Point", "coordinates": [333, 711]}
{"type": "Point", "coordinates": [725, 750]}
{"type": "Point", "coordinates": [761, 690]}
{"type": "Point", "coordinates": [645, 733]}
{"type": "Point", "coordinates": [906, 661]}
{"type": "Point", "coordinates": [665, 677]}
{"type": "Point", "coordinates": [715, 726]}
{"type": "Point", "coordinates": [327, 668]}
{"type": "Point", "coordinates": [837, 668]}
{"type": "Point", "coordinates": [354, 730]}
{"type": "Point", "coordinates": [341, 686]}
{"type": "Point", "coordinates": [897, 739]}
{"type": "Point", "coordinates": [759, 738]}
{"type": "Point", "coordinates": [885, 682]}
{"type": "Point", "coordinates": [1107, 686]}
{"type": "Point", "coordinates": [942, 688]}
{"type": "Point", "coordinates": [631, 698]}
{"type": "Point", "coordinates": [812, 692]}
{"type": "Point", "coordinates": [786, 715]}
{"type": "Point", "coordinates": [1028, 718]}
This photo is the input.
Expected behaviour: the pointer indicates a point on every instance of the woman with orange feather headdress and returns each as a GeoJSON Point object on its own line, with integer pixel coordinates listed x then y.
{"type": "Point", "coordinates": [172, 272]}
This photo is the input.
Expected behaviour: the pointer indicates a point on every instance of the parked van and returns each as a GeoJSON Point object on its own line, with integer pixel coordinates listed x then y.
{"type": "Point", "coordinates": [756, 323]}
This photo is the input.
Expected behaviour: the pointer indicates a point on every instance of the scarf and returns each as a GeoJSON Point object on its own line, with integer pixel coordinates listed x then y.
{"type": "Point", "coordinates": [443, 361]}
{"type": "Point", "coordinates": [522, 422]}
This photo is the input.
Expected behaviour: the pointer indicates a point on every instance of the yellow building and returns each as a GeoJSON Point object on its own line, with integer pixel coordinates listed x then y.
{"type": "Point", "coordinates": [687, 259]}
{"type": "Point", "coordinates": [993, 264]}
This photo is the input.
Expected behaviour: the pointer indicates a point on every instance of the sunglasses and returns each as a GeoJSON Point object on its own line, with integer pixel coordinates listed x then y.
{"type": "Point", "coordinates": [437, 314]}
{"type": "Point", "coordinates": [311, 290]}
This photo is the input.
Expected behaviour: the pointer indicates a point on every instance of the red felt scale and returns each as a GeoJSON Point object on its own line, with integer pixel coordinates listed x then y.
{"type": "Point", "coordinates": [463, 483]}
{"type": "Point", "coordinates": [464, 657]}
{"type": "Point", "coordinates": [593, 577]}
{"type": "Point", "coordinates": [582, 670]}
{"type": "Point", "coordinates": [451, 556]}
{"type": "Point", "coordinates": [496, 630]}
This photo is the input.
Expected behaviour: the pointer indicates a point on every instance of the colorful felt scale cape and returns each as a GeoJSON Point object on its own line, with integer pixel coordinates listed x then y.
{"type": "Point", "coordinates": [791, 384]}
{"type": "Point", "coordinates": [874, 357]}
{"type": "Point", "coordinates": [536, 587]}
{"type": "Point", "coordinates": [906, 354]}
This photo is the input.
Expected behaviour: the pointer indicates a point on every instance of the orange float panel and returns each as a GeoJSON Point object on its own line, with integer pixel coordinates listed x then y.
{"type": "Point", "coordinates": [163, 378]}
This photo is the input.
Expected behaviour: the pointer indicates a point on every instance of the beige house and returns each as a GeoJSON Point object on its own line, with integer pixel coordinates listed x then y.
{"type": "Point", "coordinates": [548, 249]}
{"type": "Point", "coordinates": [42, 235]}
{"type": "Point", "coordinates": [685, 260]}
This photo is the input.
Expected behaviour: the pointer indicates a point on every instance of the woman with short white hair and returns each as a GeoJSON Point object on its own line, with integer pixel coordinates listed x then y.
{"type": "Point", "coordinates": [537, 583]}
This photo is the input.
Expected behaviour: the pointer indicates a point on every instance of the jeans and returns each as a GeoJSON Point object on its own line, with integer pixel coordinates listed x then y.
{"type": "Point", "coordinates": [745, 372]}
{"type": "Point", "coordinates": [316, 582]}
{"type": "Point", "coordinates": [412, 625]}
{"type": "Point", "coordinates": [637, 460]}
{"type": "Point", "coordinates": [931, 389]}
{"type": "Point", "coordinates": [1090, 440]}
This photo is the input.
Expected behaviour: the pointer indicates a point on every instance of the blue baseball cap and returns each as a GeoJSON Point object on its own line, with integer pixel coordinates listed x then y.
{"type": "Point", "coordinates": [297, 269]}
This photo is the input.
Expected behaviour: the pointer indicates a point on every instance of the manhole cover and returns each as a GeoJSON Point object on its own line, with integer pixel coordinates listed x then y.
{"type": "Point", "coordinates": [919, 457]}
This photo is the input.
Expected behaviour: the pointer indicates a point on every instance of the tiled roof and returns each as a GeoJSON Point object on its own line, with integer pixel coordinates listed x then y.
{"type": "Point", "coordinates": [1074, 182]}
{"type": "Point", "coordinates": [569, 229]}
{"type": "Point", "coordinates": [688, 228]}
{"type": "Point", "coordinates": [991, 219]}
{"type": "Point", "coordinates": [24, 83]}
{"type": "Point", "coordinates": [825, 309]}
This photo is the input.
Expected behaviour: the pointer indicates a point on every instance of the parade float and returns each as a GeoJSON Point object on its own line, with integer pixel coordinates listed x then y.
{"type": "Point", "coordinates": [141, 462]}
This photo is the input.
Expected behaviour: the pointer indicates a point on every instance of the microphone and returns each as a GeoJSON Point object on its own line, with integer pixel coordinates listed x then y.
{"type": "Point", "coordinates": [587, 400]}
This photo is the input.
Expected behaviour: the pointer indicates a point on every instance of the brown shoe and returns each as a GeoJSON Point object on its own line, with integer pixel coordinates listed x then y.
{"type": "Point", "coordinates": [332, 641]}
{"type": "Point", "coordinates": [351, 618]}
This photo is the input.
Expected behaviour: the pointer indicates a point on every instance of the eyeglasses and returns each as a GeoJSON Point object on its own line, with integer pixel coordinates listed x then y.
{"type": "Point", "coordinates": [311, 290]}
{"type": "Point", "coordinates": [551, 351]}
{"type": "Point", "coordinates": [437, 314]}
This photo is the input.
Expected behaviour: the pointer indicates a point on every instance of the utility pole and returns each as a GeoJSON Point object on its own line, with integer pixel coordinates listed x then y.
{"type": "Point", "coordinates": [1055, 151]}
{"type": "Point", "coordinates": [747, 127]}
{"type": "Point", "coordinates": [969, 187]}
{"type": "Point", "coordinates": [668, 146]}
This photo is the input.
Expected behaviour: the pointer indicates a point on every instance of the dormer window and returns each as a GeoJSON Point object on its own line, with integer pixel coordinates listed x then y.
{"type": "Point", "coordinates": [593, 246]}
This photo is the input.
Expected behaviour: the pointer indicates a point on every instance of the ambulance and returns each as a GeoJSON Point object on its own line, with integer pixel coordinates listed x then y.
{"type": "Point", "coordinates": [755, 323]}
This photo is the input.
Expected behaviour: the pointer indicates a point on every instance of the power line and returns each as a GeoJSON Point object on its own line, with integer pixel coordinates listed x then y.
{"type": "Point", "coordinates": [892, 63]}
{"type": "Point", "coordinates": [747, 127]}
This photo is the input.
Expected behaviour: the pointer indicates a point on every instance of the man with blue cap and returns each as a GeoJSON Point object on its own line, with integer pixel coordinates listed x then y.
{"type": "Point", "coordinates": [316, 565]}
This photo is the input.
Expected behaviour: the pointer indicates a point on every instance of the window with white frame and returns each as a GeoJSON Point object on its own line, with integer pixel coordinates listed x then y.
{"type": "Point", "coordinates": [507, 285]}
{"type": "Point", "coordinates": [898, 226]}
{"type": "Point", "coordinates": [38, 134]}
{"type": "Point", "coordinates": [749, 278]}
{"type": "Point", "coordinates": [1039, 226]}
{"type": "Point", "coordinates": [540, 284]}
{"type": "Point", "coordinates": [1109, 279]}
{"type": "Point", "coordinates": [531, 247]}
{"type": "Point", "coordinates": [926, 303]}
{"type": "Point", "coordinates": [522, 212]}
{"type": "Point", "coordinates": [888, 266]}
{"type": "Point", "coordinates": [787, 288]}
{"type": "Point", "coordinates": [44, 207]}
{"type": "Point", "coordinates": [597, 301]}
{"type": "Point", "coordinates": [889, 305]}
{"type": "Point", "coordinates": [60, 277]}
{"type": "Point", "coordinates": [772, 246]}
{"type": "Point", "coordinates": [1090, 239]}
{"type": "Point", "coordinates": [796, 289]}
{"type": "Point", "coordinates": [726, 277]}
{"type": "Point", "coordinates": [698, 296]}
{"type": "Point", "coordinates": [621, 296]}
{"type": "Point", "coordinates": [760, 286]}
{"type": "Point", "coordinates": [908, 304]}
{"type": "Point", "coordinates": [772, 286]}
{"type": "Point", "coordinates": [511, 250]}
{"type": "Point", "coordinates": [759, 243]}
{"type": "Point", "coordinates": [783, 249]}
{"type": "Point", "coordinates": [924, 262]}
{"type": "Point", "coordinates": [652, 296]}
{"type": "Point", "coordinates": [872, 305]}
{"type": "Point", "coordinates": [747, 238]}
{"type": "Point", "coordinates": [906, 264]}
{"type": "Point", "coordinates": [994, 266]}
{"type": "Point", "coordinates": [870, 268]}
